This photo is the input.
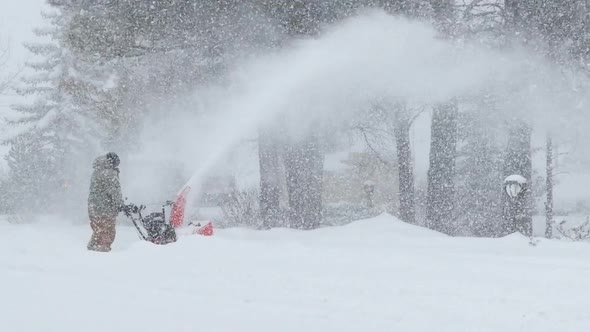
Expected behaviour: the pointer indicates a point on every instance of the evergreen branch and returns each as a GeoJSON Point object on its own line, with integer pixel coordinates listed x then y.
{"type": "Point", "coordinates": [33, 90]}
{"type": "Point", "coordinates": [43, 65]}
{"type": "Point", "coordinates": [36, 79]}
{"type": "Point", "coordinates": [38, 48]}
{"type": "Point", "coordinates": [24, 120]}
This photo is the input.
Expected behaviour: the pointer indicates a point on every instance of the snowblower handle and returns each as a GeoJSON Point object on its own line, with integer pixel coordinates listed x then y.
{"type": "Point", "coordinates": [132, 208]}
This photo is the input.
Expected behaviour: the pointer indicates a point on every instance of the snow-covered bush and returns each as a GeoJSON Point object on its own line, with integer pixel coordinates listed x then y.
{"type": "Point", "coordinates": [241, 208]}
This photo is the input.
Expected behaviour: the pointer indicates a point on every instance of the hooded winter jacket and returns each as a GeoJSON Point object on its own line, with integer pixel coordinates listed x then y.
{"type": "Point", "coordinates": [105, 199]}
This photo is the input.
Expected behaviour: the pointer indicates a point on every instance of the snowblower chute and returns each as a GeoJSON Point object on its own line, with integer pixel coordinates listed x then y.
{"type": "Point", "coordinates": [178, 208]}
{"type": "Point", "coordinates": [178, 213]}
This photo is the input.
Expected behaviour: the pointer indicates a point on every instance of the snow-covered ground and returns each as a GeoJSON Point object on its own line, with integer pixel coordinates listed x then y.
{"type": "Point", "coordinates": [372, 275]}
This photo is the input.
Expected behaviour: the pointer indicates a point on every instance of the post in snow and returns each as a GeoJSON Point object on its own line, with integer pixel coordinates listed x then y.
{"type": "Point", "coordinates": [516, 187]}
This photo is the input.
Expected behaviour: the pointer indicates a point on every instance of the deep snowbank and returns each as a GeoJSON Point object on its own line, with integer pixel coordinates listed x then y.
{"type": "Point", "coordinates": [373, 275]}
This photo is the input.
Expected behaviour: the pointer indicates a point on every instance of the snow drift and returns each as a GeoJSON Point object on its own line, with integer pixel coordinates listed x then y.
{"type": "Point", "coordinates": [372, 275]}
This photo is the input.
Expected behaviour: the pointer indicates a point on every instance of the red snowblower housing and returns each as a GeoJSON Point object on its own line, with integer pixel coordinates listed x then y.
{"type": "Point", "coordinates": [177, 215]}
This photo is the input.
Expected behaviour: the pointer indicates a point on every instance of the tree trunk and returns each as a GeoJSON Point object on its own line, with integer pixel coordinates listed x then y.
{"type": "Point", "coordinates": [270, 179]}
{"type": "Point", "coordinates": [518, 212]}
{"type": "Point", "coordinates": [440, 194]}
{"type": "Point", "coordinates": [549, 203]}
{"type": "Point", "coordinates": [304, 164]}
{"type": "Point", "coordinates": [405, 168]}
{"type": "Point", "coordinates": [441, 173]}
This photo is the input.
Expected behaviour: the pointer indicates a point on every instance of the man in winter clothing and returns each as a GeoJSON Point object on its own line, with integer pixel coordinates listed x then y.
{"type": "Point", "coordinates": [105, 201]}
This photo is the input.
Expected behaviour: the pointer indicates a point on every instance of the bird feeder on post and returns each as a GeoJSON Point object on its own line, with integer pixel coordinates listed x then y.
{"type": "Point", "coordinates": [515, 187]}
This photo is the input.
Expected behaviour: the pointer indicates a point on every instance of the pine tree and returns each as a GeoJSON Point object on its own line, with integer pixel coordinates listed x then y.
{"type": "Point", "coordinates": [443, 145]}
{"type": "Point", "coordinates": [304, 164]}
{"type": "Point", "coordinates": [55, 132]}
{"type": "Point", "coordinates": [441, 172]}
{"type": "Point", "coordinates": [559, 31]}
{"type": "Point", "coordinates": [28, 188]}
{"type": "Point", "coordinates": [303, 157]}
{"type": "Point", "coordinates": [271, 177]}
{"type": "Point", "coordinates": [479, 171]}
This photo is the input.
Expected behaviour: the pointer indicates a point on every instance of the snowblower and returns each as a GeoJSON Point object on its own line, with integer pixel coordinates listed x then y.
{"type": "Point", "coordinates": [157, 230]}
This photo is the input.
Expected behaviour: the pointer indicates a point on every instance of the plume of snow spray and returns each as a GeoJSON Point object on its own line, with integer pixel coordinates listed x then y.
{"type": "Point", "coordinates": [342, 71]}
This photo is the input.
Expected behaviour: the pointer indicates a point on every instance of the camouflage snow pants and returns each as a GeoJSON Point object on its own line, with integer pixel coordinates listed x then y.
{"type": "Point", "coordinates": [103, 235]}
